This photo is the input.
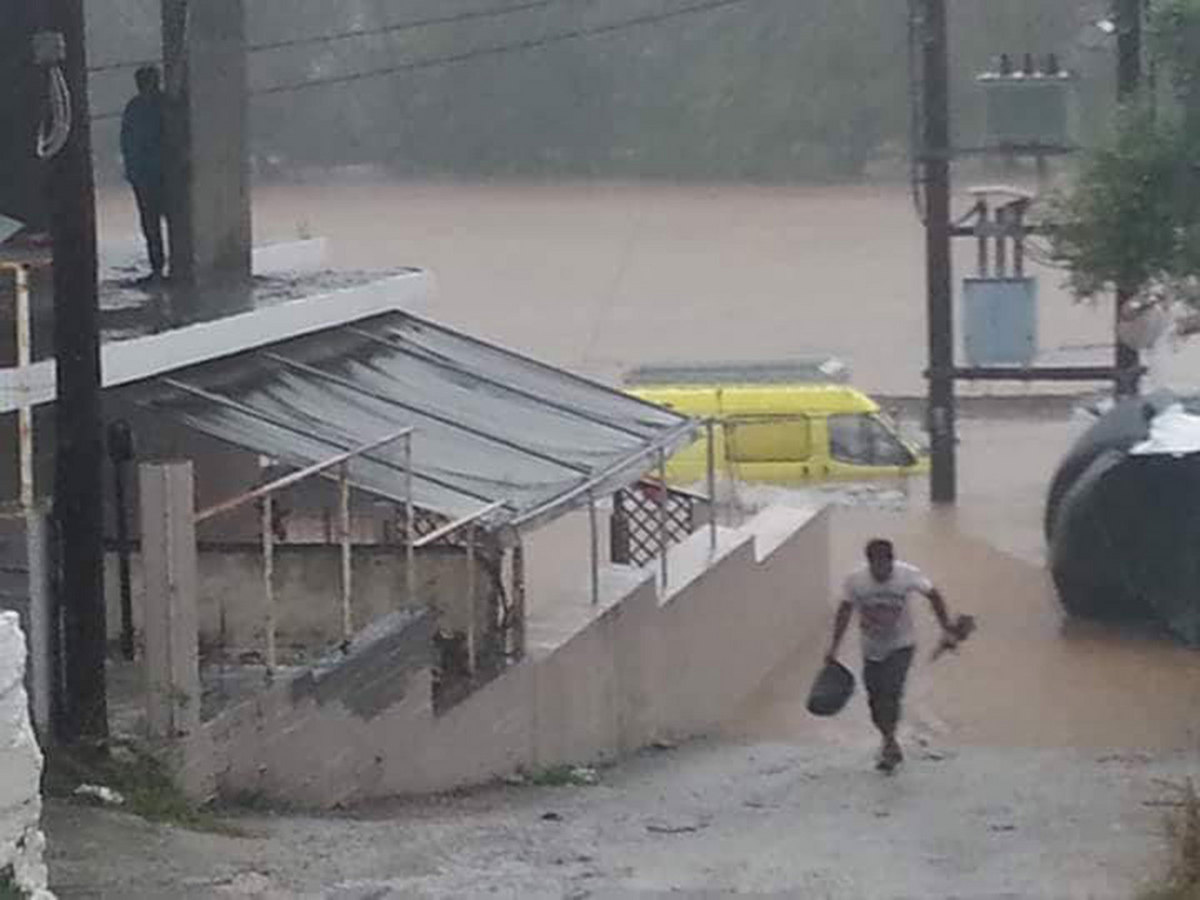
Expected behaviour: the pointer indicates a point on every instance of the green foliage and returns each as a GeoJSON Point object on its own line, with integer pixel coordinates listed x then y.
{"type": "Point", "coordinates": [143, 782]}
{"type": "Point", "coordinates": [8, 886]}
{"type": "Point", "coordinates": [1133, 219]}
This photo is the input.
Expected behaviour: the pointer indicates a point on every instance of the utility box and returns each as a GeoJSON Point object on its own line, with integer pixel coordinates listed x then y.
{"type": "Point", "coordinates": [1000, 321]}
{"type": "Point", "coordinates": [1028, 109]}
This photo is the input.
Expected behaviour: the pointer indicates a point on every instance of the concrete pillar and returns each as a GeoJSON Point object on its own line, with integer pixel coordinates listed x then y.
{"type": "Point", "coordinates": [204, 50]}
{"type": "Point", "coordinates": [170, 623]}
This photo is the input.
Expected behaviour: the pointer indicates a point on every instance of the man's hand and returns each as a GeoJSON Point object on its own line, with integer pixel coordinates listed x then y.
{"type": "Point", "coordinates": [841, 623]}
{"type": "Point", "coordinates": [954, 633]}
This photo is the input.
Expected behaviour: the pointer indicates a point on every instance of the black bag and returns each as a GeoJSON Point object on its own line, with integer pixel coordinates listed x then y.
{"type": "Point", "coordinates": [831, 691]}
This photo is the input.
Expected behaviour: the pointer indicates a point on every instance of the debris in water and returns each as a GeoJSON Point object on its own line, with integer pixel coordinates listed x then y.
{"type": "Point", "coordinates": [99, 792]}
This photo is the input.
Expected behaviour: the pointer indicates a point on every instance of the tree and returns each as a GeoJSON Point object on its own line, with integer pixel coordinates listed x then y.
{"type": "Point", "coordinates": [1133, 220]}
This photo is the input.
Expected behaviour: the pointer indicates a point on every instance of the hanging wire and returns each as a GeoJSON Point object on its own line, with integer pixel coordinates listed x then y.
{"type": "Point", "coordinates": [55, 131]}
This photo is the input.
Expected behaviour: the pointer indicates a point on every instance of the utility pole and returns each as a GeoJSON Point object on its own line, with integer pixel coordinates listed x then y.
{"type": "Point", "coordinates": [79, 444]}
{"type": "Point", "coordinates": [935, 154]}
{"type": "Point", "coordinates": [1129, 82]}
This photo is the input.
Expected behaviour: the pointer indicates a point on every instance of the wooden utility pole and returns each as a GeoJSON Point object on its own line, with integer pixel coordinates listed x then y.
{"type": "Point", "coordinates": [1129, 82]}
{"type": "Point", "coordinates": [79, 444]}
{"type": "Point", "coordinates": [935, 155]}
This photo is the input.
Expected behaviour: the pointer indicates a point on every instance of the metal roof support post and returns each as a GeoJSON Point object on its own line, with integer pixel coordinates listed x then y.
{"type": "Point", "coordinates": [594, 535]}
{"type": "Point", "coordinates": [471, 599]}
{"type": "Point", "coordinates": [344, 537]}
{"type": "Point", "coordinates": [662, 515]}
{"type": "Point", "coordinates": [410, 525]}
{"type": "Point", "coordinates": [711, 463]}
{"type": "Point", "coordinates": [518, 596]}
{"type": "Point", "coordinates": [268, 548]}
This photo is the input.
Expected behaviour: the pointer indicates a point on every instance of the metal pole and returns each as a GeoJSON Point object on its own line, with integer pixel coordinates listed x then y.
{"type": "Point", "coordinates": [518, 595]}
{"type": "Point", "coordinates": [1002, 242]}
{"type": "Point", "coordinates": [662, 515]}
{"type": "Point", "coordinates": [347, 550]}
{"type": "Point", "coordinates": [594, 534]}
{"type": "Point", "coordinates": [981, 241]}
{"type": "Point", "coordinates": [120, 451]}
{"type": "Point", "coordinates": [79, 432]}
{"type": "Point", "coordinates": [410, 526]}
{"type": "Point", "coordinates": [711, 463]}
{"type": "Point", "coordinates": [940, 309]}
{"type": "Point", "coordinates": [268, 548]}
{"type": "Point", "coordinates": [1018, 244]}
{"type": "Point", "coordinates": [1129, 81]}
{"type": "Point", "coordinates": [25, 412]}
{"type": "Point", "coordinates": [471, 599]}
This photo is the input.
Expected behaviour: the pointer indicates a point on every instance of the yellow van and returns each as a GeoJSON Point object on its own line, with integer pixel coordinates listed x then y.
{"type": "Point", "coordinates": [778, 422]}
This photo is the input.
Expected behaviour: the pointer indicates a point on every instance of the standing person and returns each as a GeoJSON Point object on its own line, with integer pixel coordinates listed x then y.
{"type": "Point", "coordinates": [142, 150]}
{"type": "Point", "coordinates": [879, 593]}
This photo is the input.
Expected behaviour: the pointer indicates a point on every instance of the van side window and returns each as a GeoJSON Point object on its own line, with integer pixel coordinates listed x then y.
{"type": "Point", "coordinates": [768, 439]}
{"type": "Point", "coordinates": [863, 440]}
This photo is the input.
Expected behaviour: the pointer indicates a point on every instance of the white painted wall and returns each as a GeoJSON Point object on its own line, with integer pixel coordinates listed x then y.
{"type": "Point", "coordinates": [598, 681]}
{"type": "Point", "coordinates": [21, 841]}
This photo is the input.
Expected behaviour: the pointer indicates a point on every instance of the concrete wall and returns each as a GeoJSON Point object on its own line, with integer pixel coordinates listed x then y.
{"type": "Point", "coordinates": [21, 841]}
{"type": "Point", "coordinates": [210, 233]}
{"type": "Point", "coordinates": [308, 591]}
{"type": "Point", "coordinates": [597, 681]}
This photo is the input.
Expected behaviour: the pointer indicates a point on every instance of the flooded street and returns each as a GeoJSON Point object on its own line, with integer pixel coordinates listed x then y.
{"type": "Point", "coordinates": [1039, 756]}
{"type": "Point", "coordinates": [602, 277]}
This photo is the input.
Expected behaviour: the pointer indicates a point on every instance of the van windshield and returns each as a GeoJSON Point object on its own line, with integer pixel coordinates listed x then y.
{"type": "Point", "coordinates": [863, 440]}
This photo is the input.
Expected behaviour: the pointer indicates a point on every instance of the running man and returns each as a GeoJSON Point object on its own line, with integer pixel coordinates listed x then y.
{"type": "Point", "coordinates": [879, 593]}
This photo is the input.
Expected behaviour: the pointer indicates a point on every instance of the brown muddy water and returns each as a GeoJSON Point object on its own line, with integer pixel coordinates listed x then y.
{"type": "Point", "coordinates": [602, 277]}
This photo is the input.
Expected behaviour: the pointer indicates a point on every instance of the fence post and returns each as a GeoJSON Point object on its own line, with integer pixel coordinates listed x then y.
{"type": "Point", "coordinates": [594, 535]}
{"type": "Point", "coordinates": [663, 500]}
{"type": "Point", "coordinates": [268, 574]}
{"type": "Point", "coordinates": [170, 615]}
{"type": "Point", "coordinates": [471, 637]}
{"type": "Point", "coordinates": [410, 526]}
{"type": "Point", "coordinates": [347, 549]}
{"type": "Point", "coordinates": [42, 631]}
{"type": "Point", "coordinates": [518, 596]}
{"type": "Point", "coordinates": [712, 486]}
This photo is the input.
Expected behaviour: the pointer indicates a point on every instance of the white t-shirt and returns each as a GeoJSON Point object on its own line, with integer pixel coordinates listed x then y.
{"type": "Point", "coordinates": [884, 619]}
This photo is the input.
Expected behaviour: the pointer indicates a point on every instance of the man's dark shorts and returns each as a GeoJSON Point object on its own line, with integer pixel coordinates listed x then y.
{"type": "Point", "coordinates": [885, 680]}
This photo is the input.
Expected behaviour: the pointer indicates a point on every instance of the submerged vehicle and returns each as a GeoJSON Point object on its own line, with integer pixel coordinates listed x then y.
{"type": "Point", "coordinates": [1123, 516]}
{"type": "Point", "coordinates": [778, 422]}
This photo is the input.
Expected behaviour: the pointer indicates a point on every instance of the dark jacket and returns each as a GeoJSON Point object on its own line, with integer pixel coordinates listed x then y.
{"type": "Point", "coordinates": [142, 139]}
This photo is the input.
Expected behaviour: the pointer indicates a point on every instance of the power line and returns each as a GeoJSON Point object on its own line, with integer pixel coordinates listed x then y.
{"type": "Point", "coordinates": [483, 52]}
{"type": "Point", "coordinates": [504, 49]}
{"type": "Point", "coordinates": [413, 25]}
{"type": "Point", "coordinates": [405, 26]}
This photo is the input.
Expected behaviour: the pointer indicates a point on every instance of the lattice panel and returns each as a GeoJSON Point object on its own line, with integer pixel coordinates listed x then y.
{"type": "Point", "coordinates": [637, 527]}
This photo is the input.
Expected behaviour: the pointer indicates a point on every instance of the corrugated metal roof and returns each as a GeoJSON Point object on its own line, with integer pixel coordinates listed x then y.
{"type": "Point", "coordinates": [490, 425]}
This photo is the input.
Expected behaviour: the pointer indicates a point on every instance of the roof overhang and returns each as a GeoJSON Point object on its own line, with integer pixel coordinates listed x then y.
{"type": "Point", "coordinates": [496, 435]}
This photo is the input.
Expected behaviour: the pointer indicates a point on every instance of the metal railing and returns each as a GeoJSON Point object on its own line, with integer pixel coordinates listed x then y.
{"type": "Point", "coordinates": [467, 525]}
{"type": "Point", "coordinates": [265, 493]}
{"type": "Point", "coordinates": [24, 334]}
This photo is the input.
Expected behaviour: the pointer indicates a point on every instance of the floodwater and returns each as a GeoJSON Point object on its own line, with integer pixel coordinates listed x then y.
{"type": "Point", "coordinates": [601, 277]}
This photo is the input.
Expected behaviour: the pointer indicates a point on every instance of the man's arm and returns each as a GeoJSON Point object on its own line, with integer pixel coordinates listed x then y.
{"type": "Point", "coordinates": [938, 602]}
{"type": "Point", "coordinates": [840, 624]}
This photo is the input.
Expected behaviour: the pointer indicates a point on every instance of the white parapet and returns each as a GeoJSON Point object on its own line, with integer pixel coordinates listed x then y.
{"type": "Point", "coordinates": [22, 843]}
